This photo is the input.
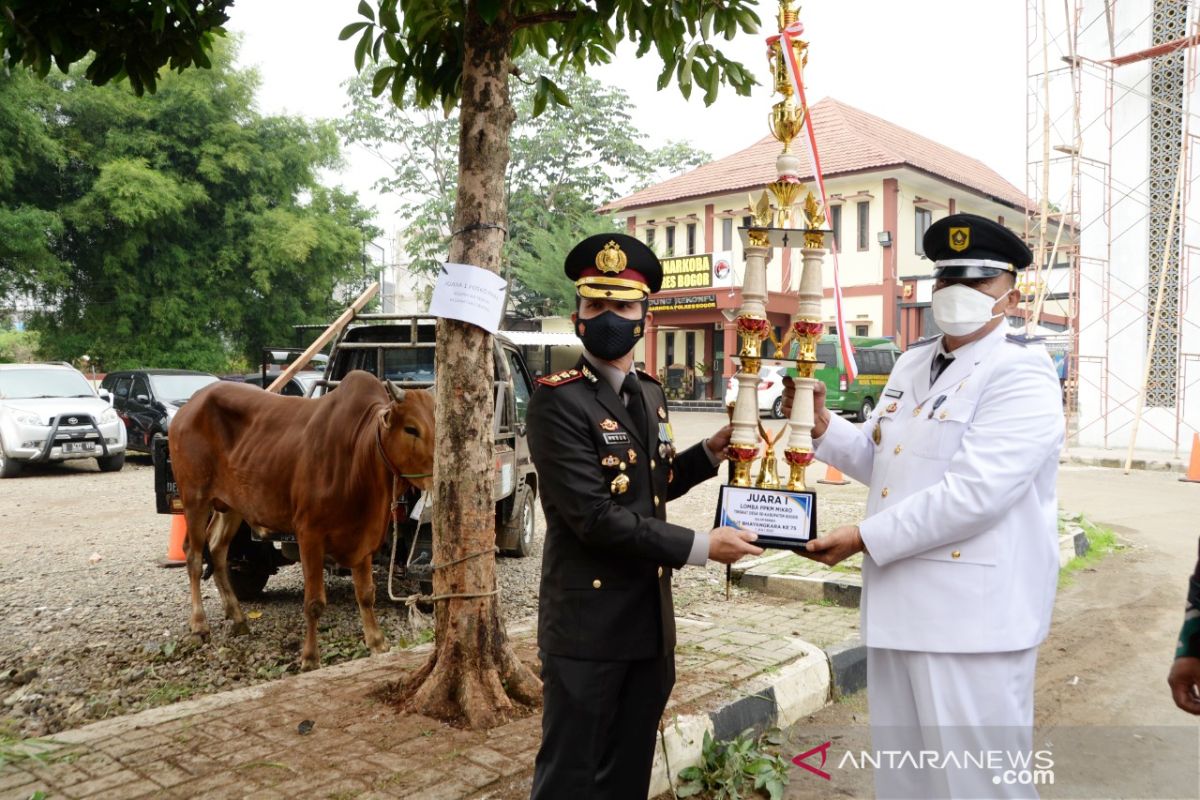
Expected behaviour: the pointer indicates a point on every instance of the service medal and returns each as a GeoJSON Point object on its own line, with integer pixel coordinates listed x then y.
{"type": "Point", "coordinates": [608, 424]}
{"type": "Point", "coordinates": [632, 456]}
{"type": "Point", "coordinates": [620, 484]}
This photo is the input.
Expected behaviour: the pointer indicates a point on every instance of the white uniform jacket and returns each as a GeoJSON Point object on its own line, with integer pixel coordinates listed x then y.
{"type": "Point", "coordinates": [962, 517]}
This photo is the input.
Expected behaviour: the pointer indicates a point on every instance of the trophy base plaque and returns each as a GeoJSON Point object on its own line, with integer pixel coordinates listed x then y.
{"type": "Point", "coordinates": [782, 518]}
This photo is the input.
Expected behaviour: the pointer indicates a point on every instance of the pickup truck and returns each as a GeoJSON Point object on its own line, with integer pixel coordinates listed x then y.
{"type": "Point", "coordinates": [401, 349]}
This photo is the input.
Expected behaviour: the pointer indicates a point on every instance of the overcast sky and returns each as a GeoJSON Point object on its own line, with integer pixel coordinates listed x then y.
{"type": "Point", "coordinates": [952, 70]}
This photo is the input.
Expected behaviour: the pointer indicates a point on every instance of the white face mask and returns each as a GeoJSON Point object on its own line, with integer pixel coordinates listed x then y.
{"type": "Point", "coordinates": [960, 310]}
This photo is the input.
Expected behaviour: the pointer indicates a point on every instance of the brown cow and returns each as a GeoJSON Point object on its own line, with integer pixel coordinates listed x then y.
{"type": "Point", "coordinates": [324, 469]}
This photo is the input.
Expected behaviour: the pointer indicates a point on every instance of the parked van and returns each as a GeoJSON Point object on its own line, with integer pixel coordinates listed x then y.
{"type": "Point", "coordinates": [875, 359]}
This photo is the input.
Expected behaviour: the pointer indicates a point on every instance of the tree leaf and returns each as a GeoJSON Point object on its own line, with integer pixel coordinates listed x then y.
{"type": "Point", "coordinates": [382, 77]}
{"type": "Point", "coordinates": [351, 29]}
{"type": "Point", "coordinates": [364, 8]}
{"type": "Point", "coordinates": [488, 10]}
{"type": "Point", "coordinates": [360, 52]}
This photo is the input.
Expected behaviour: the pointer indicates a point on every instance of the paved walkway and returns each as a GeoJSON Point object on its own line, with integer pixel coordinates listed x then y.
{"type": "Point", "coordinates": [247, 742]}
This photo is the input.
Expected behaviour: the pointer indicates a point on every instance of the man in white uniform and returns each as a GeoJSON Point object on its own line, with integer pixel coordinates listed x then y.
{"type": "Point", "coordinates": [960, 542]}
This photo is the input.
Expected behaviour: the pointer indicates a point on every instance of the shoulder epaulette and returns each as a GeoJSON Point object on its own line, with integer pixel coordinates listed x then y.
{"type": "Point", "coordinates": [560, 378]}
{"type": "Point", "coordinates": [923, 342]}
{"type": "Point", "coordinates": [1023, 340]}
{"type": "Point", "coordinates": [648, 376]}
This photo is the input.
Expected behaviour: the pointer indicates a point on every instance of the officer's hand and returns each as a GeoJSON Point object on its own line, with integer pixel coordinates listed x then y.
{"type": "Point", "coordinates": [719, 441]}
{"type": "Point", "coordinates": [820, 412]}
{"type": "Point", "coordinates": [1184, 680]}
{"type": "Point", "coordinates": [835, 546]}
{"type": "Point", "coordinates": [727, 545]}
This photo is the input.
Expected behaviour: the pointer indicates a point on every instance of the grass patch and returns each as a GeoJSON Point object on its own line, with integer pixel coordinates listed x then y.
{"type": "Point", "coordinates": [17, 750]}
{"type": "Point", "coordinates": [168, 693]}
{"type": "Point", "coordinates": [1101, 542]}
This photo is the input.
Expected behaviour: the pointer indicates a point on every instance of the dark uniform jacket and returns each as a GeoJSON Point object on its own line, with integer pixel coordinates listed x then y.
{"type": "Point", "coordinates": [607, 560]}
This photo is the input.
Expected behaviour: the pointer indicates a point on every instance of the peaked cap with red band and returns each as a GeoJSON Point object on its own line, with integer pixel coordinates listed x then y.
{"type": "Point", "coordinates": [613, 266]}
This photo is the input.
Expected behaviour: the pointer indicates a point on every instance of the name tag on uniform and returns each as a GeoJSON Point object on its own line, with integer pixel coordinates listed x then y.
{"type": "Point", "coordinates": [896, 393]}
{"type": "Point", "coordinates": [616, 437]}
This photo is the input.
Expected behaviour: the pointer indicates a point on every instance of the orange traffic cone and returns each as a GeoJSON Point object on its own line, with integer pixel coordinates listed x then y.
{"type": "Point", "coordinates": [1193, 473]}
{"type": "Point", "coordinates": [176, 557]}
{"type": "Point", "coordinates": [834, 476]}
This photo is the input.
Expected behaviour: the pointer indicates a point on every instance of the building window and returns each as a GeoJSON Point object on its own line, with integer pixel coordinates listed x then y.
{"type": "Point", "coordinates": [670, 348]}
{"type": "Point", "coordinates": [924, 218]}
{"type": "Point", "coordinates": [650, 238]}
{"type": "Point", "coordinates": [864, 224]}
{"type": "Point", "coordinates": [691, 239]}
{"type": "Point", "coordinates": [835, 224]}
{"type": "Point", "coordinates": [833, 329]}
{"type": "Point", "coordinates": [861, 330]}
{"type": "Point", "coordinates": [746, 221]}
{"type": "Point", "coordinates": [727, 233]}
{"type": "Point", "coordinates": [671, 240]}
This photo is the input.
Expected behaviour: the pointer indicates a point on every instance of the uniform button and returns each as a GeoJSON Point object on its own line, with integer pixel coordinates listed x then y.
{"type": "Point", "coordinates": [655, 499]}
{"type": "Point", "coordinates": [621, 466]}
{"type": "Point", "coordinates": [916, 411]}
{"type": "Point", "coordinates": [660, 572]}
{"type": "Point", "coordinates": [942, 415]}
{"type": "Point", "coordinates": [596, 583]}
{"type": "Point", "coordinates": [884, 493]}
{"type": "Point", "coordinates": [898, 449]}
{"type": "Point", "coordinates": [653, 464]}
{"type": "Point", "coordinates": [955, 554]}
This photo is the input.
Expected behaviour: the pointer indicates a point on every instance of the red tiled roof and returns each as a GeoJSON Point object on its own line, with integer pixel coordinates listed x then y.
{"type": "Point", "coordinates": [850, 141]}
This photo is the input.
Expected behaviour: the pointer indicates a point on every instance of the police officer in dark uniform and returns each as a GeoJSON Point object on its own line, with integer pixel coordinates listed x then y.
{"type": "Point", "coordinates": [602, 442]}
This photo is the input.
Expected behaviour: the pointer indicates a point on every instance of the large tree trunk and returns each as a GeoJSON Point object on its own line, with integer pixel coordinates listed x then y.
{"type": "Point", "coordinates": [473, 675]}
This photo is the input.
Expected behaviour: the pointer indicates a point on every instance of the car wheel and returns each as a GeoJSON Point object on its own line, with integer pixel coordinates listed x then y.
{"type": "Point", "coordinates": [777, 408]}
{"type": "Point", "coordinates": [865, 409]}
{"type": "Point", "coordinates": [111, 463]}
{"type": "Point", "coordinates": [519, 529]}
{"type": "Point", "coordinates": [9, 467]}
{"type": "Point", "coordinates": [249, 564]}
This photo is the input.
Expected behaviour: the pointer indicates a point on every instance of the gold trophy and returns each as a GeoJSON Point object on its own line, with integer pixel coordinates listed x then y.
{"type": "Point", "coordinates": [783, 514]}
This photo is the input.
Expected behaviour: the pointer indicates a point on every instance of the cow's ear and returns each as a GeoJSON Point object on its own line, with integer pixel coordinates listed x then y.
{"type": "Point", "coordinates": [385, 417]}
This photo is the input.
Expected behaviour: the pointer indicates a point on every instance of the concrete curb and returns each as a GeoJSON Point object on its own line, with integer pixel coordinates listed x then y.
{"type": "Point", "coordinates": [1164, 464]}
{"type": "Point", "coordinates": [779, 699]}
{"type": "Point", "coordinates": [1071, 545]}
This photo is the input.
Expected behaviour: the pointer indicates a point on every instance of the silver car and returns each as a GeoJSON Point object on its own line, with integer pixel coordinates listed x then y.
{"type": "Point", "coordinates": [49, 412]}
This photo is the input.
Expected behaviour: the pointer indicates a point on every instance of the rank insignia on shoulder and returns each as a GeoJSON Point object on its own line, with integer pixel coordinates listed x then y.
{"type": "Point", "coordinates": [608, 424]}
{"type": "Point", "coordinates": [620, 484]}
{"type": "Point", "coordinates": [609, 461]}
{"type": "Point", "coordinates": [560, 378]}
{"type": "Point", "coordinates": [632, 456]}
{"type": "Point", "coordinates": [587, 373]}
{"type": "Point", "coordinates": [662, 413]}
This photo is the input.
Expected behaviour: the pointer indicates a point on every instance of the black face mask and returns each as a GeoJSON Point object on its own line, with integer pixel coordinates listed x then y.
{"type": "Point", "coordinates": [609, 336]}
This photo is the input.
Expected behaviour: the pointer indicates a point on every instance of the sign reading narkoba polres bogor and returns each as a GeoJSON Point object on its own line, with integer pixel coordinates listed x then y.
{"type": "Point", "coordinates": [687, 272]}
{"type": "Point", "coordinates": [699, 302]}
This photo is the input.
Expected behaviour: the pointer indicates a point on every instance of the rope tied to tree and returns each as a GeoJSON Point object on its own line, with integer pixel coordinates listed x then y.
{"type": "Point", "coordinates": [479, 226]}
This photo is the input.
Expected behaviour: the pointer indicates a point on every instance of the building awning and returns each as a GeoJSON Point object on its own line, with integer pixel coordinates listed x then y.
{"type": "Point", "coordinates": [542, 339]}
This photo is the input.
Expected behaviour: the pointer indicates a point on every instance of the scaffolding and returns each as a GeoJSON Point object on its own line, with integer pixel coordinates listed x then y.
{"type": "Point", "coordinates": [1111, 169]}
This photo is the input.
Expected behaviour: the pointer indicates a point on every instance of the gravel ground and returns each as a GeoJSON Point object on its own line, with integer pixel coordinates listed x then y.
{"type": "Point", "coordinates": [91, 627]}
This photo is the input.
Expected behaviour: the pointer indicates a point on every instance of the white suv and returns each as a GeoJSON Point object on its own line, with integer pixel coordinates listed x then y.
{"type": "Point", "coordinates": [49, 412]}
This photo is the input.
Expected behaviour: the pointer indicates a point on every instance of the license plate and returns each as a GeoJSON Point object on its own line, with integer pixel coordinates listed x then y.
{"type": "Point", "coordinates": [78, 447]}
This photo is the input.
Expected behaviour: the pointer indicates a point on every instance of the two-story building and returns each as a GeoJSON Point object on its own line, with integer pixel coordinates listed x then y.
{"type": "Point", "coordinates": [886, 186]}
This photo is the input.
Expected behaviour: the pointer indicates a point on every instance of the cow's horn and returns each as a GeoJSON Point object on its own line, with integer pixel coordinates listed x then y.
{"type": "Point", "coordinates": [396, 392]}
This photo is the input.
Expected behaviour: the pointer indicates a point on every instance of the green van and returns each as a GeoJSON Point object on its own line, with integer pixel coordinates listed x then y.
{"type": "Point", "coordinates": [875, 358]}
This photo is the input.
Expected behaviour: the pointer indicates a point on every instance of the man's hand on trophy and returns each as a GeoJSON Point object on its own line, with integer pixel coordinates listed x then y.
{"type": "Point", "coordinates": [820, 412]}
{"type": "Point", "coordinates": [835, 546]}
{"type": "Point", "coordinates": [717, 443]}
{"type": "Point", "coordinates": [727, 545]}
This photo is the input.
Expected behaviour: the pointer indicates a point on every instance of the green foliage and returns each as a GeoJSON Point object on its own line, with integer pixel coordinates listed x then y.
{"type": "Point", "coordinates": [178, 230]}
{"type": "Point", "coordinates": [424, 40]}
{"type": "Point", "coordinates": [1101, 542]}
{"type": "Point", "coordinates": [18, 347]}
{"type": "Point", "coordinates": [740, 767]}
{"type": "Point", "coordinates": [128, 40]}
{"type": "Point", "coordinates": [563, 165]}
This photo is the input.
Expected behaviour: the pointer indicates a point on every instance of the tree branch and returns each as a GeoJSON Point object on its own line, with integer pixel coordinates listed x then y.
{"type": "Point", "coordinates": [529, 20]}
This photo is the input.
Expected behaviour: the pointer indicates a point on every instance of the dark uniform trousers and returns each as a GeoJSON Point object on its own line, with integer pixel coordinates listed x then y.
{"type": "Point", "coordinates": [606, 622]}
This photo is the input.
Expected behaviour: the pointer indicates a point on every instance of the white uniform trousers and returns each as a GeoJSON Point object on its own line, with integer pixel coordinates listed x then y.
{"type": "Point", "coordinates": [963, 710]}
